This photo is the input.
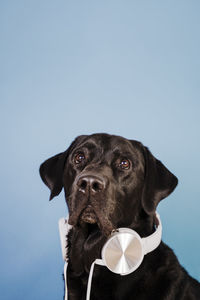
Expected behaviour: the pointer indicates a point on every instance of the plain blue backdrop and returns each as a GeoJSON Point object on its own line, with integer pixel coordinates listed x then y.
{"type": "Point", "coordinates": [77, 67]}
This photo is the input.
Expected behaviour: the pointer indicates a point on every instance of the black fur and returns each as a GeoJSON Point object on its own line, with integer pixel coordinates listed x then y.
{"type": "Point", "coordinates": [112, 182]}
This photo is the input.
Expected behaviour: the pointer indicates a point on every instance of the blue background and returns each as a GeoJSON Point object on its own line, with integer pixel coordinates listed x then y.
{"type": "Point", "coordinates": [77, 67]}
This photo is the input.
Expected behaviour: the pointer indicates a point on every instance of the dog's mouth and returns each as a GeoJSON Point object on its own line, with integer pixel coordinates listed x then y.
{"type": "Point", "coordinates": [88, 215]}
{"type": "Point", "coordinates": [93, 217]}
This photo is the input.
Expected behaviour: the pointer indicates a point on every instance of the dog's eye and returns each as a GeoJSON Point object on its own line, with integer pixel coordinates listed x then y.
{"type": "Point", "coordinates": [79, 158]}
{"type": "Point", "coordinates": [125, 164]}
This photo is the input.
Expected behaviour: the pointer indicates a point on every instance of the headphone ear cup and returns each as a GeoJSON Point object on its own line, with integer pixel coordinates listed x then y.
{"type": "Point", "coordinates": [123, 252]}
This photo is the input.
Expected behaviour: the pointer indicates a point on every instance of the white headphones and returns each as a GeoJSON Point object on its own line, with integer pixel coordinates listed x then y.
{"type": "Point", "coordinates": [122, 254]}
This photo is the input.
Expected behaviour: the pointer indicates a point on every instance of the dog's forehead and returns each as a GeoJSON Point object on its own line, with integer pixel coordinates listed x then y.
{"type": "Point", "coordinates": [108, 142]}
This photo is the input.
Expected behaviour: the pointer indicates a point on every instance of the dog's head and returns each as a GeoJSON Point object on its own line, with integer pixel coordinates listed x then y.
{"type": "Point", "coordinates": [108, 181]}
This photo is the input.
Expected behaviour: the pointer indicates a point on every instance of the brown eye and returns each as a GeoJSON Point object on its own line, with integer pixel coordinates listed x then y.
{"type": "Point", "coordinates": [79, 158]}
{"type": "Point", "coordinates": [124, 164]}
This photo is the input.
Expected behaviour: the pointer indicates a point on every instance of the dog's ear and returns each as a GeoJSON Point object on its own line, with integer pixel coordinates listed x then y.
{"type": "Point", "coordinates": [51, 171]}
{"type": "Point", "coordinates": [159, 182]}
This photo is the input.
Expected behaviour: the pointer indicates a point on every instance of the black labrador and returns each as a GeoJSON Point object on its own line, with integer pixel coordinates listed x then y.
{"type": "Point", "coordinates": [112, 182]}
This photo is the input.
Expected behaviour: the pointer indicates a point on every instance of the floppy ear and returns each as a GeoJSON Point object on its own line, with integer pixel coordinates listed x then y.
{"type": "Point", "coordinates": [159, 182]}
{"type": "Point", "coordinates": [51, 172]}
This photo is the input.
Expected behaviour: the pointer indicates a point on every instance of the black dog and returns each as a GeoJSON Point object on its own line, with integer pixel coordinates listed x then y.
{"type": "Point", "coordinates": [111, 182]}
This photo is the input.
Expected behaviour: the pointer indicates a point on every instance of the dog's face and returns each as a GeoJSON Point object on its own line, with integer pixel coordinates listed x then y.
{"type": "Point", "coordinates": [108, 181]}
{"type": "Point", "coordinates": [105, 175]}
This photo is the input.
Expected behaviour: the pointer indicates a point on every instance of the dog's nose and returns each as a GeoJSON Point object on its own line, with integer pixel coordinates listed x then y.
{"type": "Point", "coordinates": [92, 184]}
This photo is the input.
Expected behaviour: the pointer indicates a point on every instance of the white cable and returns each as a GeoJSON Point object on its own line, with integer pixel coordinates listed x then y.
{"type": "Point", "coordinates": [98, 262]}
{"type": "Point", "coordinates": [65, 277]}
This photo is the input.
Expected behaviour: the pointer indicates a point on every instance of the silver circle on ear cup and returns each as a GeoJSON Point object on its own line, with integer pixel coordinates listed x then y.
{"type": "Point", "coordinates": [123, 252]}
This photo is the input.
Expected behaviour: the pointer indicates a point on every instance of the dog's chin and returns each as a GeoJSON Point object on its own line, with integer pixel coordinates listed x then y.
{"type": "Point", "coordinates": [92, 220]}
{"type": "Point", "coordinates": [88, 216]}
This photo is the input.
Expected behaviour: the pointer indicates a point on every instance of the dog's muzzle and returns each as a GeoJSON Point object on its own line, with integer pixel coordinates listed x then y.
{"type": "Point", "coordinates": [123, 252]}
